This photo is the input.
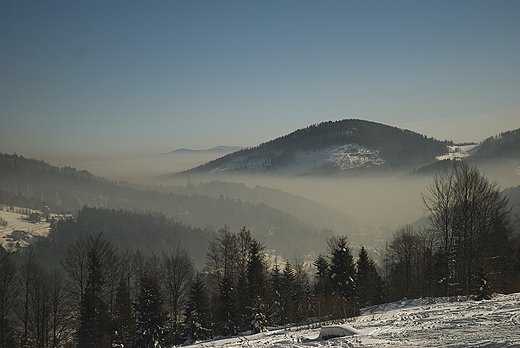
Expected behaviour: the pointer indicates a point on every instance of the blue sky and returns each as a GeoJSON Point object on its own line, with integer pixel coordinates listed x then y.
{"type": "Point", "coordinates": [114, 77]}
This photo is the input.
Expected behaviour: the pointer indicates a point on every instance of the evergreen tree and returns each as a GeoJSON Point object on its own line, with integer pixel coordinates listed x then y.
{"type": "Point", "coordinates": [323, 284]}
{"type": "Point", "coordinates": [150, 314]}
{"type": "Point", "coordinates": [94, 323]}
{"type": "Point", "coordinates": [302, 294]}
{"type": "Point", "coordinates": [369, 282]}
{"type": "Point", "coordinates": [197, 316]}
{"type": "Point", "coordinates": [342, 277]}
{"type": "Point", "coordinates": [288, 293]}
{"type": "Point", "coordinates": [124, 320]}
{"type": "Point", "coordinates": [275, 289]}
{"type": "Point", "coordinates": [342, 269]}
{"type": "Point", "coordinates": [227, 309]}
{"type": "Point", "coordinates": [256, 286]}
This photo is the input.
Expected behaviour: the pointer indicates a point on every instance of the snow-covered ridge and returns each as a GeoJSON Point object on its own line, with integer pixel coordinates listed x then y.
{"type": "Point", "coordinates": [437, 322]}
{"type": "Point", "coordinates": [337, 157]}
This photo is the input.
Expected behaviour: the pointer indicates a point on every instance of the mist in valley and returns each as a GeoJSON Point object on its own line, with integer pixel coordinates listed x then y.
{"type": "Point", "coordinates": [375, 205]}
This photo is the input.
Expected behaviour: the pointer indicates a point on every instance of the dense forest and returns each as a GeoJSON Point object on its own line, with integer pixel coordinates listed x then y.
{"type": "Point", "coordinates": [105, 293]}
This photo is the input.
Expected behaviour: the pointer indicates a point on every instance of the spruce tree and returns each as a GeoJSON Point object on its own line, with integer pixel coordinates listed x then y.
{"type": "Point", "coordinates": [323, 284]}
{"type": "Point", "coordinates": [94, 323]}
{"type": "Point", "coordinates": [276, 302]}
{"type": "Point", "coordinates": [123, 316]}
{"type": "Point", "coordinates": [256, 286]}
{"type": "Point", "coordinates": [227, 308]}
{"type": "Point", "coordinates": [197, 316]}
{"type": "Point", "coordinates": [150, 314]}
{"type": "Point", "coordinates": [369, 283]}
{"type": "Point", "coordinates": [288, 293]}
{"type": "Point", "coordinates": [342, 269]}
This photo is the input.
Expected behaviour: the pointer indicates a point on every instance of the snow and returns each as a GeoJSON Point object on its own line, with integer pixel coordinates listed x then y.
{"type": "Point", "coordinates": [342, 157]}
{"type": "Point", "coordinates": [458, 152]}
{"type": "Point", "coordinates": [438, 322]}
{"type": "Point", "coordinates": [332, 331]}
{"type": "Point", "coordinates": [15, 222]}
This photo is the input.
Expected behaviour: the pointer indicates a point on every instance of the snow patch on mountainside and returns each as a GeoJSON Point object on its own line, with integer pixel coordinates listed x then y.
{"type": "Point", "coordinates": [337, 157]}
{"type": "Point", "coordinates": [458, 152]}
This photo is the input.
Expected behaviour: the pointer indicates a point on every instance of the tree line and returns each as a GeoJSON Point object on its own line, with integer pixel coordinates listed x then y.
{"type": "Point", "coordinates": [102, 296]}
{"type": "Point", "coordinates": [468, 248]}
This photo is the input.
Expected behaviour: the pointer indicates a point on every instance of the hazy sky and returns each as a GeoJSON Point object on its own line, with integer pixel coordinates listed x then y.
{"type": "Point", "coordinates": [113, 77]}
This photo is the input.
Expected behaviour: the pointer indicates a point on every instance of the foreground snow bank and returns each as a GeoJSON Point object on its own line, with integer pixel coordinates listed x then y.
{"type": "Point", "coordinates": [332, 331]}
{"type": "Point", "coordinates": [436, 322]}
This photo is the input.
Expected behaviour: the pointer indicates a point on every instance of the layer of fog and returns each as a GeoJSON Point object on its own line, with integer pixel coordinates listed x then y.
{"type": "Point", "coordinates": [382, 203]}
{"type": "Point", "coordinates": [136, 168]}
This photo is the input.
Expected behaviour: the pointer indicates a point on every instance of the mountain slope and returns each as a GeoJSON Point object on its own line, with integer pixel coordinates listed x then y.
{"type": "Point", "coordinates": [306, 210]}
{"type": "Point", "coordinates": [504, 146]}
{"type": "Point", "coordinates": [498, 156]}
{"type": "Point", "coordinates": [332, 148]}
{"type": "Point", "coordinates": [30, 182]}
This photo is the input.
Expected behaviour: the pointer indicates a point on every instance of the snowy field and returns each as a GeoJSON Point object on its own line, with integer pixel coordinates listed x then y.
{"type": "Point", "coordinates": [458, 152]}
{"type": "Point", "coordinates": [15, 222]}
{"type": "Point", "coordinates": [414, 323]}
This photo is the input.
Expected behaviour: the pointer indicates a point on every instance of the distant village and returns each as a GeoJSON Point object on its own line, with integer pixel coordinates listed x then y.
{"type": "Point", "coordinates": [24, 223]}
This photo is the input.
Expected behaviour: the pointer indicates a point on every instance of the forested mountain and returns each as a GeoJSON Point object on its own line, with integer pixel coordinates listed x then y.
{"type": "Point", "coordinates": [503, 146]}
{"type": "Point", "coordinates": [33, 182]}
{"type": "Point", "coordinates": [499, 153]}
{"type": "Point", "coordinates": [340, 147]}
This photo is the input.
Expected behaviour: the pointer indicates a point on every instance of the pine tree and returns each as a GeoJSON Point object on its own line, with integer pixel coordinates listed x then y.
{"type": "Point", "coordinates": [124, 320]}
{"type": "Point", "coordinates": [342, 277]}
{"type": "Point", "coordinates": [369, 282]}
{"type": "Point", "coordinates": [150, 314]}
{"type": "Point", "coordinates": [323, 284]}
{"type": "Point", "coordinates": [288, 293]}
{"type": "Point", "coordinates": [227, 308]}
{"type": "Point", "coordinates": [256, 286]}
{"type": "Point", "coordinates": [342, 269]}
{"type": "Point", "coordinates": [197, 316]}
{"type": "Point", "coordinates": [276, 302]}
{"type": "Point", "coordinates": [94, 317]}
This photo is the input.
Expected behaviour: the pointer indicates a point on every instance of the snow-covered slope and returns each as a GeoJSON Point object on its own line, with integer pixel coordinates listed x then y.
{"type": "Point", "coordinates": [443, 322]}
{"type": "Point", "coordinates": [457, 152]}
{"type": "Point", "coordinates": [337, 157]}
{"type": "Point", "coordinates": [19, 232]}
{"type": "Point", "coordinates": [332, 148]}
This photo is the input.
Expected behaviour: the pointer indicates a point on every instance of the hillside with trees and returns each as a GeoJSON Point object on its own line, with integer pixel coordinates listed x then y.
{"type": "Point", "coordinates": [31, 183]}
{"type": "Point", "coordinates": [380, 147]}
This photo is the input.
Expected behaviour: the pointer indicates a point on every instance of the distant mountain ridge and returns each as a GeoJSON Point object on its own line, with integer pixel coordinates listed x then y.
{"type": "Point", "coordinates": [216, 149]}
{"type": "Point", "coordinates": [505, 145]}
{"type": "Point", "coordinates": [329, 148]}
{"type": "Point", "coordinates": [502, 149]}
